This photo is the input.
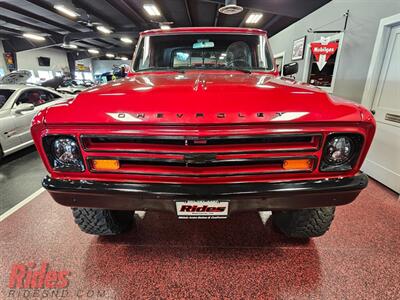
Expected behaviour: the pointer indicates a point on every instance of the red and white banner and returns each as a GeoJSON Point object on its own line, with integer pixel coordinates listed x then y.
{"type": "Point", "coordinates": [323, 51]}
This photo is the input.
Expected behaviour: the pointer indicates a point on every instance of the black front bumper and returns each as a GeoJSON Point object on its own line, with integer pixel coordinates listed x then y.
{"type": "Point", "coordinates": [241, 197]}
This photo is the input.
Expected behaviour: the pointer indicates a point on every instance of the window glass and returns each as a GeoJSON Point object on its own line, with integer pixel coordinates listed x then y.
{"type": "Point", "coordinates": [204, 51]}
{"type": "Point", "coordinates": [4, 95]}
{"type": "Point", "coordinates": [87, 76]}
{"type": "Point", "coordinates": [36, 97]}
{"type": "Point", "coordinates": [79, 75]}
{"type": "Point", "coordinates": [45, 75]}
{"type": "Point", "coordinates": [32, 79]}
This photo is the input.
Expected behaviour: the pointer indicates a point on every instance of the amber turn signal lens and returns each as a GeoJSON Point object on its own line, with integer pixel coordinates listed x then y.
{"type": "Point", "coordinates": [297, 164]}
{"type": "Point", "coordinates": [105, 164]}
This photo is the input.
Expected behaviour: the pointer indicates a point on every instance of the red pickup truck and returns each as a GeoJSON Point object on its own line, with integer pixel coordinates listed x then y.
{"type": "Point", "coordinates": [203, 127]}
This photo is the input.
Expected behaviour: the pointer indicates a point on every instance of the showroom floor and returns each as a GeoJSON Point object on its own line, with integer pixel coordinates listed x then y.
{"type": "Point", "coordinates": [21, 174]}
{"type": "Point", "coordinates": [235, 258]}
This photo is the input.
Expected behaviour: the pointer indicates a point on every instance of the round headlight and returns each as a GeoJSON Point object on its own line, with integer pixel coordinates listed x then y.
{"type": "Point", "coordinates": [339, 150]}
{"type": "Point", "coordinates": [66, 150]}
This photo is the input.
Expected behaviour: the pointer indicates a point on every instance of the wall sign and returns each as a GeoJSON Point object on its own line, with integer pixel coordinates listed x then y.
{"type": "Point", "coordinates": [10, 61]}
{"type": "Point", "coordinates": [323, 51]}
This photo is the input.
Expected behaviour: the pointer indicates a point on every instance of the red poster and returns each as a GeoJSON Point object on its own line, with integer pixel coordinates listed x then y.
{"type": "Point", "coordinates": [323, 52]}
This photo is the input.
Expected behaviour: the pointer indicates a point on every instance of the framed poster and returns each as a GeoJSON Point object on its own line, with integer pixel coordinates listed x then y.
{"type": "Point", "coordinates": [10, 61]}
{"type": "Point", "coordinates": [298, 48]}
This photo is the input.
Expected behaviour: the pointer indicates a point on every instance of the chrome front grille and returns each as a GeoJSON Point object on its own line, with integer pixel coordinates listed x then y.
{"type": "Point", "coordinates": [205, 156]}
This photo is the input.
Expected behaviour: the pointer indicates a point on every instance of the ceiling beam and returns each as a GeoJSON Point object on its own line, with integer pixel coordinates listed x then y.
{"type": "Point", "coordinates": [29, 14]}
{"type": "Point", "coordinates": [96, 13]}
{"type": "Point", "coordinates": [128, 11]}
{"type": "Point", "coordinates": [216, 18]}
{"type": "Point", "coordinates": [11, 30]}
{"type": "Point", "coordinates": [50, 9]}
{"type": "Point", "coordinates": [30, 26]}
{"type": "Point", "coordinates": [188, 12]}
{"type": "Point", "coordinates": [94, 43]}
{"type": "Point", "coordinates": [271, 22]}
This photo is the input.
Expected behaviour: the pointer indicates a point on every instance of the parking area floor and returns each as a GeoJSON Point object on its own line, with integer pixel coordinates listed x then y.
{"type": "Point", "coordinates": [235, 258]}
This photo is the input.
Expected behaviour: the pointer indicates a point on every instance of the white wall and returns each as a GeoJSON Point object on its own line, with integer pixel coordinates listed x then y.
{"type": "Point", "coordinates": [358, 39]}
{"type": "Point", "coordinates": [102, 66]}
{"type": "Point", "coordinates": [28, 60]}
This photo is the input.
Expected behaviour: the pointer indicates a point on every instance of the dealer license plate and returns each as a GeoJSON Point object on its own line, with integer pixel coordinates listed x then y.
{"type": "Point", "coordinates": [202, 209]}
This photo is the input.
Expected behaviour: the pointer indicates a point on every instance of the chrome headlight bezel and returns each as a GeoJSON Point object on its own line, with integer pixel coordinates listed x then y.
{"type": "Point", "coordinates": [63, 153]}
{"type": "Point", "coordinates": [345, 140]}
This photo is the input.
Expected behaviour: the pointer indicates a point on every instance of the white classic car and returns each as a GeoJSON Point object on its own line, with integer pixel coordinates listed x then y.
{"type": "Point", "coordinates": [19, 103]}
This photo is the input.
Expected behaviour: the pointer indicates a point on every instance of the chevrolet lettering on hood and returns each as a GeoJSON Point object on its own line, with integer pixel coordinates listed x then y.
{"type": "Point", "coordinates": [204, 127]}
{"type": "Point", "coordinates": [131, 117]}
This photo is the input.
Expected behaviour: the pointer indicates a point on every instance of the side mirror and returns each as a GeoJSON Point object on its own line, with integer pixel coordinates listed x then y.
{"type": "Point", "coordinates": [24, 107]}
{"type": "Point", "coordinates": [290, 69]}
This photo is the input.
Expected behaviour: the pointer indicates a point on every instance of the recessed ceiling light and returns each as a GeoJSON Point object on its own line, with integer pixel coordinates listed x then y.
{"type": "Point", "coordinates": [126, 40]}
{"type": "Point", "coordinates": [165, 27]}
{"type": "Point", "coordinates": [110, 55]}
{"type": "Point", "coordinates": [94, 51]}
{"type": "Point", "coordinates": [124, 58]}
{"type": "Point", "coordinates": [67, 11]}
{"type": "Point", "coordinates": [152, 10]}
{"type": "Point", "coordinates": [104, 29]}
{"type": "Point", "coordinates": [33, 36]}
{"type": "Point", "coordinates": [254, 18]}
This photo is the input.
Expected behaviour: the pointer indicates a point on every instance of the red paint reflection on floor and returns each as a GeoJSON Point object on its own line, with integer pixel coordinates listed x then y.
{"type": "Point", "coordinates": [234, 258]}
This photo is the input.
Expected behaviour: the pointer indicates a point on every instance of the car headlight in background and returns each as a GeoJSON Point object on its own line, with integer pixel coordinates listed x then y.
{"type": "Point", "coordinates": [340, 152]}
{"type": "Point", "coordinates": [64, 153]}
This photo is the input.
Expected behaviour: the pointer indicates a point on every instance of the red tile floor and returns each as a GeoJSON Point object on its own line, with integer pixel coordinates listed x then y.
{"type": "Point", "coordinates": [236, 258]}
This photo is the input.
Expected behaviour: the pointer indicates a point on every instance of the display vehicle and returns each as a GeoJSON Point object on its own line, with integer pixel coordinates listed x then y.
{"type": "Point", "coordinates": [204, 127]}
{"type": "Point", "coordinates": [19, 103]}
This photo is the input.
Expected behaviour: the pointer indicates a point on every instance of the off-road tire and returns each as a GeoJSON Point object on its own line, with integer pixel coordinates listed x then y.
{"type": "Point", "coordinates": [304, 223]}
{"type": "Point", "coordinates": [102, 221]}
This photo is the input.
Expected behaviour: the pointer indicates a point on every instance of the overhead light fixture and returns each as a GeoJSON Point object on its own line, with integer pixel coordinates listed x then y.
{"type": "Point", "coordinates": [93, 51]}
{"type": "Point", "coordinates": [254, 18]}
{"type": "Point", "coordinates": [66, 11]}
{"type": "Point", "coordinates": [165, 27]}
{"type": "Point", "coordinates": [69, 46]}
{"type": "Point", "coordinates": [126, 40]}
{"type": "Point", "coordinates": [104, 29]}
{"type": "Point", "coordinates": [230, 8]}
{"type": "Point", "coordinates": [151, 9]}
{"type": "Point", "coordinates": [124, 58]}
{"type": "Point", "coordinates": [110, 55]}
{"type": "Point", "coordinates": [33, 36]}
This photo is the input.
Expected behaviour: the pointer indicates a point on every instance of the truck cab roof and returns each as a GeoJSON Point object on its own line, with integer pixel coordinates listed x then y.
{"type": "Point", "coordinates": [181, 30]}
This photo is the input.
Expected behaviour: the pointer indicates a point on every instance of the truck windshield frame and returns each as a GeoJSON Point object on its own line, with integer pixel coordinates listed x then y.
{"type": "Point", "coordinates": [220, 51]}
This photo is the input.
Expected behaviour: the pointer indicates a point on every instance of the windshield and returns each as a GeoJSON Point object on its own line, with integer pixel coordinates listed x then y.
{"type": "Point", "coordinates": [4, 95]}
{"type": "Point", "coordinates": [203, 51]}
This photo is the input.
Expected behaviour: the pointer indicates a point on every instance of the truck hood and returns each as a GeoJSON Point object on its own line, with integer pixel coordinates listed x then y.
{"type": "Point", "coordinates": [200, 97]}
